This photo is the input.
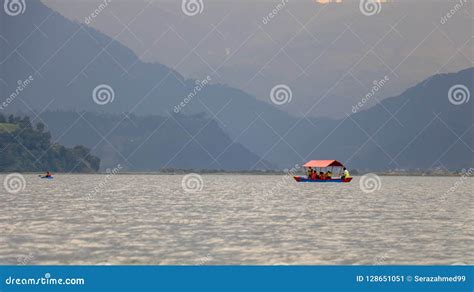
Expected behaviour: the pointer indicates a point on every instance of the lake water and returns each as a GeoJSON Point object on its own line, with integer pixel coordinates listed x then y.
{"type": "Point", "coordinates": [236, 219]}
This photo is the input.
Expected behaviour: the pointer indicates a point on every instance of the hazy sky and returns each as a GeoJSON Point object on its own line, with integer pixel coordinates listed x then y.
{"type": "Point", "coordinates": [335, 50]}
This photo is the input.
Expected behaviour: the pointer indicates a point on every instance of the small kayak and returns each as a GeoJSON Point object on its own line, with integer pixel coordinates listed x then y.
{"type": "Point", "coordinates": [336, 180]}
{"type": "Point", "coordinates": [47, 177]}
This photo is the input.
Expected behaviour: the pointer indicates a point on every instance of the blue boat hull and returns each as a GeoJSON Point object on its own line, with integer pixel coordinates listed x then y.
{"type": "Point", "coordinates": [336, 180]}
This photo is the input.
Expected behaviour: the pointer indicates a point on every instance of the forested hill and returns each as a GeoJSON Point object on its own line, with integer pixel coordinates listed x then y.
{"type": "Point", "coordinates": [24, 147]}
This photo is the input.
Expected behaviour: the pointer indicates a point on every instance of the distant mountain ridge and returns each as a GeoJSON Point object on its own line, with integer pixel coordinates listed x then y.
{"type": "Point", "coordinates": [418, 129]}
{"type": "Point", "coordinates": [152, 143]}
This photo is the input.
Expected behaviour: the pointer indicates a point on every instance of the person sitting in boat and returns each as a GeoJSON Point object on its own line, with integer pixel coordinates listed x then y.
{"type": "Point", "coordinates": [314, 175]}
{"type": "Point", "coordinates": [48, 174]}
{"type": "Point", "coordinates": [345, 174]}
{"type": "Point", "coordinates": [309, 172]}
{"type": "Point", "coordinates": [322, 176]}
{"type": "Point", "coordinates": [329, 175]}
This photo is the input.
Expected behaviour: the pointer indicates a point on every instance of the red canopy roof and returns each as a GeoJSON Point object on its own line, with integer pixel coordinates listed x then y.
{"type": "Point", "coordinates": [322, 163]}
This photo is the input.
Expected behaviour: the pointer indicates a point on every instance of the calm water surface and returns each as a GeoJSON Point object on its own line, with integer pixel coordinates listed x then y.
{"type": "Point", "coordinates": [236, 219]}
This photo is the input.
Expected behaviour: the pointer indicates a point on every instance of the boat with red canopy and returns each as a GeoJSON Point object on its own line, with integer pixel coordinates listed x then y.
{"type": "Point", "coordinates": [324, 166]}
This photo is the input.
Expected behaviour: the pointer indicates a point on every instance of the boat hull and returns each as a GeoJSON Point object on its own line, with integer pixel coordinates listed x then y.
{"type": "Point", "coordinates": [336, 180]}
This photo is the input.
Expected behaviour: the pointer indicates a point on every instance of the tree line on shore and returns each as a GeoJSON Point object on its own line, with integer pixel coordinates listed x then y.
{"type": "Point", "coordinates": [25, 147]}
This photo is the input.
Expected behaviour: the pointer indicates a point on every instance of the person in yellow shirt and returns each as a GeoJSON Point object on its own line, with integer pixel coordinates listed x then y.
{"type": "Point", "coordinates": [346, 173]}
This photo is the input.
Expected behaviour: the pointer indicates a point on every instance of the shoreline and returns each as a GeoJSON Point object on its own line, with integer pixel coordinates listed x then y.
{"type": "Point", "coordinates": [460, 174]}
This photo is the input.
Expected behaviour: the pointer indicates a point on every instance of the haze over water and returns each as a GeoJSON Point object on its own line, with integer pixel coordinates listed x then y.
{"type": "Point", "coordinates": [236, 219]}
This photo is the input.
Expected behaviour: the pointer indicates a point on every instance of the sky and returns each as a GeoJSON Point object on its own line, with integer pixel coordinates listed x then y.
{"type": "Point", "coordinates": [331, 51]}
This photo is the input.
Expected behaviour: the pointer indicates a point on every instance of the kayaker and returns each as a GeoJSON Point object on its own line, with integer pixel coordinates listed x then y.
{"type": "Point", "coordinates": [48, 174]}
{"type": "Point", "coordinates": [346, 173]}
